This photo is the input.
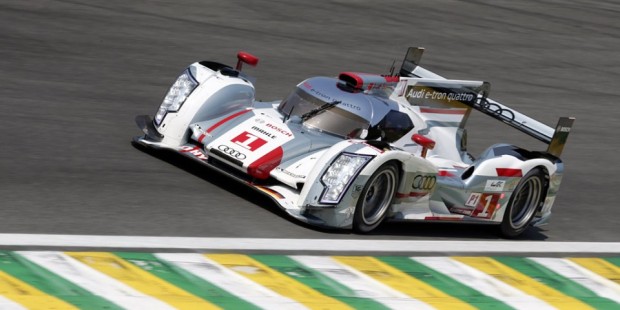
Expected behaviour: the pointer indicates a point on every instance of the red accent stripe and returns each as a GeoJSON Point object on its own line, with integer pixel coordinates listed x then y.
{"type": "Point", "coordinates": [189, 150]}
{"type": "Point", "coordinates": [442, 111]}
{"type": "Point", "coordinates": [412, 194]}
{"type": "Point", "coordinates": [391, 79]}
{"type": "Point", "coordinates": [374, 148]}
{"type": "Point", "coordinates": [445, 173]}
{"type": "Point", "coordinates": [220, 123]}
{"type": "Point", "coordinates": [358, 79]}
{"type": "Point", "coordinates": [509, 172]}
{"type": "Point", "coordinates": [261, 167]}
{"type": "Point", "coordinates": [442, 218]}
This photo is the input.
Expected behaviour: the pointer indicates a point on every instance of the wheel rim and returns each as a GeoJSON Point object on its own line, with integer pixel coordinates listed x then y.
{"type": "Point", "coordinates": [525, 202]}
{"type": "Point", "coordinates": [378, 197]}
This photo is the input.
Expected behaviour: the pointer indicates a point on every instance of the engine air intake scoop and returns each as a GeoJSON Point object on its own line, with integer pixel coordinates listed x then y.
{"type": "Point", "coordinates": [365, 81]}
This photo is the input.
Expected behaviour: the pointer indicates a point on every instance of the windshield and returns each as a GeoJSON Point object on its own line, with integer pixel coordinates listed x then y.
{"type": "Point", "coordinates": [331, 119]}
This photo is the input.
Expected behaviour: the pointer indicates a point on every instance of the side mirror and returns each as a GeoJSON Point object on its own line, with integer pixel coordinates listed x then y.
{"type": "Point", "coordinates": [426, 143]}
{"type": "Point", "coordinates": [243, 57]}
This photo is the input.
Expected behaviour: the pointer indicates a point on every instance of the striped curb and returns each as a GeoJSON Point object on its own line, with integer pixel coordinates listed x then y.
{"type": "Point", "coordinates": [126, 280]}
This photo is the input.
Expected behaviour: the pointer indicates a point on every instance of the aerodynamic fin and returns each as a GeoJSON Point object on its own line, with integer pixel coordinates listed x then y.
{"type": "Point", "coordinates": [411, 61]}
{"type": "Point", "coordinates": [558, 140]}
{"type": "Point", "coordinates": [555, 139]}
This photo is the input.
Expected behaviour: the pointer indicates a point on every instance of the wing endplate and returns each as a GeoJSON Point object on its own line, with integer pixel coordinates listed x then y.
{"type": "Point", "coordinates": [562, 129]}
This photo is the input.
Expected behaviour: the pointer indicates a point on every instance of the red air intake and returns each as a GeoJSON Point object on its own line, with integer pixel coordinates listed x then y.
{"type": "Point", "coordinates": [365, 81]}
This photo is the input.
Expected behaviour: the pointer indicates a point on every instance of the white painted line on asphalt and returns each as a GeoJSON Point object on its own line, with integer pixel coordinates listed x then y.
{"type": "Point", "coordinates": [335, 245]}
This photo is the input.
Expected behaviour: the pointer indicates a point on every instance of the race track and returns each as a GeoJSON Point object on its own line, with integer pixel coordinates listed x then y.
{"type": "Point", "coordinates": [73, 74]}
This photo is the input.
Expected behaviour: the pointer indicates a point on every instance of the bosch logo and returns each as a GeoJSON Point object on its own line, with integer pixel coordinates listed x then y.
{"type": "Point", "coordinates": [425, 182]}
{"type": "Point", "coordinates": [231, 152]}
{"type": "Point", "coordinates": [280, 130]}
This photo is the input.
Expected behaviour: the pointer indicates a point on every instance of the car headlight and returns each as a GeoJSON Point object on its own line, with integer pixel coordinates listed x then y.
{"type": "Point", "coordinates": [339, 175]}
{"type": "Point", "coordinates": [179, 91]}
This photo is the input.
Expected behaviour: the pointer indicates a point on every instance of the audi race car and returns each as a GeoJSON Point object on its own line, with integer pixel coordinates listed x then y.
{"type": "Point", "coordinates": [355, 150]}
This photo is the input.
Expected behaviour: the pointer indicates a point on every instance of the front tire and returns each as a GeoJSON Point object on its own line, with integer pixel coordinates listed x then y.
{"type": "Point", "coordinates": [375, 199]}
{"type": "Point", "coordinates": [525, 200]}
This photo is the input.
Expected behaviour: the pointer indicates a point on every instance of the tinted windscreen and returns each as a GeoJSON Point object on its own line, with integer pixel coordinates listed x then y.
{"type": "Point", "coordinates": [332, 120]}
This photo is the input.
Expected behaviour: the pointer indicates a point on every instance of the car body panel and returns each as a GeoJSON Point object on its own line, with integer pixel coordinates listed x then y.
{"type": "Point", "coordinates": [284, 149]}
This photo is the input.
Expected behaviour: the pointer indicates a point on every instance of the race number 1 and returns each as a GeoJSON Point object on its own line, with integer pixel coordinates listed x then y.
{"type": "Point", "coordinates": [485, 204]}
{"type": "Point", "coordinates": [248, 141]}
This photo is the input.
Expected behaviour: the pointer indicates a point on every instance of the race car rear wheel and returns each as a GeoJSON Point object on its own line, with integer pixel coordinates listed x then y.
{"type": "Point", "coordinates": [526, 198]}
{"type": "Point", "coordinates": [375, 199]}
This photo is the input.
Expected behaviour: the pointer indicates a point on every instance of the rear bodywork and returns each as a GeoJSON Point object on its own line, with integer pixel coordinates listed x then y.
{"type": "Point", "coordinates": [267, 147]}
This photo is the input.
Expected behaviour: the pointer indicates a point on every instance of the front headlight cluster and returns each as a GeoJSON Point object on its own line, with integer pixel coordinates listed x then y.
{"type": "Point", "coordinates": [339, 175]}
{"type": "Point", "coordinates": [179, 91]}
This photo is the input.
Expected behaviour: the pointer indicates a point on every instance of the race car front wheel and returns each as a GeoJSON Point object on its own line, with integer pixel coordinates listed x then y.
{"type": "Point", "coordinates": [526, 198]}
{"type": "Point", "coordinates": [375, 198]}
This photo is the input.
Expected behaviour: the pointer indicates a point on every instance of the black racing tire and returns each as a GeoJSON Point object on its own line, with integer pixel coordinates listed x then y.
{"type": "Point", "coordinates": [376, 198]}
{"type": "Point", "coordinates": [525, 200]}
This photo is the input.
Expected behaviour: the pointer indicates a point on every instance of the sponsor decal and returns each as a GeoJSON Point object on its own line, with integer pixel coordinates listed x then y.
{"type": "Point", "coordinates": [485, 204]}
{"type": "Point", "coordinates": [270, 192]}
{"type": "Point", "coordinates": [563, 129]}
{"type": "Point", "coordinates": [424, 182]}
{"type": "Point", "coordinates": [248, 141]}
{"type": "Point", "coordinates": [194, 151]}
{"type": "Point", "coordinates": [320, 94]}
{"type": "Point", "coordinates": [231, 152]}
{"type": "Point", "coordinates": [494, 186]}
{"type": "Point", "coordinates": [473, 200]}
{"type": "Point", "coordinates": [350, 106]}
{"type": "Point", "coordinates": [461, 211]}
{"type": "Point", "coordinates": [280, 130]}
{"type": "Point", "coordinates": [264, 132]}
{"type": "Point", "coordinates": [290, 174]}
{"type": "Point", "coordinates": [432, 94]}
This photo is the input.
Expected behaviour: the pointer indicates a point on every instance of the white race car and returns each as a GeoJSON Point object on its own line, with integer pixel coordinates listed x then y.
{"type": "Point", "coordinates": [353, 151]}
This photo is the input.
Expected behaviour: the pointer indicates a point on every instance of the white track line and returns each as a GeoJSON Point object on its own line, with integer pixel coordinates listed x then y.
{"type": "Point", "coordinates": [592, 281]}
{"type": "Point", "coordinates": [330, 245]}
{"type": "Point", "coordinates": [230, 281]}
{"type": "Point", "coordinates": [94, 281]}
{"type": "Point", "coordinates": [362, 285]}
{"type": "Point", "coordinates": [483, 283]}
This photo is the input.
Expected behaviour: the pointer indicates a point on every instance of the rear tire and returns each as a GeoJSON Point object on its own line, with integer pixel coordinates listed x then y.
{"type": "Point", "coordinates": [375, 199]}
{"type": "Point", "coordinates": [525, 200]}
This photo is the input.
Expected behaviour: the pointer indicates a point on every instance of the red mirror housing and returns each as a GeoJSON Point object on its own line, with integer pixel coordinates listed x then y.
{"type": "Point", "coordinates": [426, 143]}
{"type": "Point", "coordinates": [247, 58]}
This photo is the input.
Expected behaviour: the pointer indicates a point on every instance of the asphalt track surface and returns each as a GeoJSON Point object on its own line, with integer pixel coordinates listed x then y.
{"type": "Point", "coordinates": [73, 74]}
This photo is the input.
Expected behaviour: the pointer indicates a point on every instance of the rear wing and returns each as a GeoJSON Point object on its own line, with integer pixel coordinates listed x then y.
{"type": "Point", "coordinates": [554, 138]}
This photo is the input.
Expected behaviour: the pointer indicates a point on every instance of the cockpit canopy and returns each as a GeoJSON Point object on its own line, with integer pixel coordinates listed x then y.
{"type": "Point", "coordinates": [324, 104]}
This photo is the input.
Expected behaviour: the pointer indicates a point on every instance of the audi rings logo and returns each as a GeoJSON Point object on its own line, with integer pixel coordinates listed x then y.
{"type": "Point", "coordinates": [425, 182]}
{"type": "Point", "coordinates": [231, 152]}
